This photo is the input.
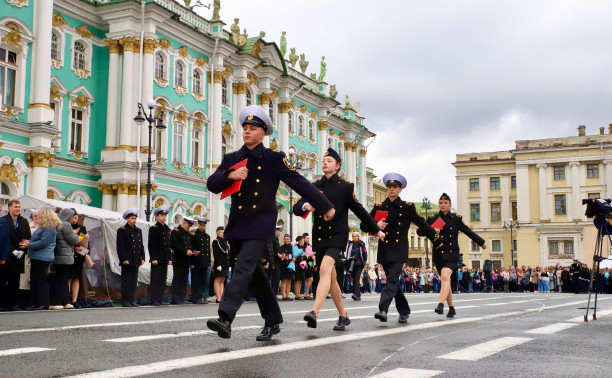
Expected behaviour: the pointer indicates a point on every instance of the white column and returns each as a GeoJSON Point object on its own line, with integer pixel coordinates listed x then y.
{"type": "Point", "coordinates": [107, 201]}
{"type": "Point", "coordinates": [505, 192]}
{"type": "Point", "coordinates": [147, 86]}
{"type": "Point", "coordinates": [283, 126]}
{"type": "Point", "coordinates": [322, 143]}
{"type": "Point", "coordinates": [265, 104]}
{"type": "Point", "coordinates": [240, 90]}
{"type": "Point", "coordinates": [127, 98]}
{"type": "Point", "coordinates": [608, 171]}
{"type": "Point", "coordinates": [542, 191]}
{"type": "Point", "coordinates": [123, 202]}
{"type": "Point", "coordinates": [39, 109]}
{"type": "Point", "coordinates": [136, 69]}
{"type": "Point", "coordinates": [522, 193]}
{"type": "Point", "coordinates": [217, 207]}
{"type": "Point", "coordinates": [485, 207]}
{"type": "Point", "coordinates": [40, 177]}
{"type": "Point", "coordinates": [575, 211]}
{"type": "Point", "coordinates": [363, 189]}
{"type": "Point", "coordinates": [112, 106]}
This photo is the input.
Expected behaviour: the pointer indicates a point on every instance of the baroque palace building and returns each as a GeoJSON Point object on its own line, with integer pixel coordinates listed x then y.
{"type": "Point", "coordinates": [73, 71]}
{"type": "Point", "coordinates": [537, 188]}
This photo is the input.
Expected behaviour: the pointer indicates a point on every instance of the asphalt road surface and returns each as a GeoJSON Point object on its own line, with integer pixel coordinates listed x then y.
{"type": "Point", "coordinates": [501, 334]}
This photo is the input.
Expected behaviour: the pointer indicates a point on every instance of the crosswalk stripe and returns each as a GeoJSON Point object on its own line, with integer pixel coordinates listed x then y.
{"type": "Point", "coordinates": [171, 335]}
{"type": "Point", "coordinates": [551, 328]}
{"type": "Point", "coordinates": [486, 349]}
{"type": "Point", "coordinates": [11, 352]}
{"type": "Point", "coordinates": [412, 373]}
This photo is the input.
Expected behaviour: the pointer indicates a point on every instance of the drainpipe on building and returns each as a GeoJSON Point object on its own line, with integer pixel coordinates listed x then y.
{"type": "Point", "coordinates": [138, 159]}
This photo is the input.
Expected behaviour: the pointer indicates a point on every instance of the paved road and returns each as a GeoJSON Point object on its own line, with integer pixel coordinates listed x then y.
{"type": "Point", "coordinates": [493, 334]}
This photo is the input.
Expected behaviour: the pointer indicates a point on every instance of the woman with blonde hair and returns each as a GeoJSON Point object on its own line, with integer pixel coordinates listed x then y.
{"type": "Point", "coordinates": [41, 254]}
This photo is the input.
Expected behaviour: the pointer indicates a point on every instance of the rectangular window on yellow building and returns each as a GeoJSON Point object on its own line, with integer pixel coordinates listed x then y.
{"type": "Point", "coordinates": [475, 212]}
{"type": "Point", "coordinates": [496, 245]}
{"type": "Point", "coordinates": [513, 182]}
{"type": "Point", "coordinates": [474, 184]}
{"type": "Point", "coordinates": [560, 208]}
{"type": "Point", "coordinates": [592, 170]}
{"type": "Point", "coordinates": [494, 183]}
{"type": "Point", "coordinates": [593, 195]}
{"type": "Point", "coordinates": [495, 212]}
{"type": "Point", "coordinates": [514, 210]}
{"type": "Point", "coordinates": [475, 247]}
{"type": "Point", "coordinates": [559, 173]}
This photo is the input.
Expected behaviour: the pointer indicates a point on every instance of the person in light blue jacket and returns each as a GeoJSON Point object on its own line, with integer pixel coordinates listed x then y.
{"type": "Point", "coordinates": [41, 254]}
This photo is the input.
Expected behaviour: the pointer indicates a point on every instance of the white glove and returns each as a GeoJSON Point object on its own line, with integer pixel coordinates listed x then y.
{"type": "Point", "coordinates": [18, 253]}
{"type": "Point", "coordinates": [219, 268]}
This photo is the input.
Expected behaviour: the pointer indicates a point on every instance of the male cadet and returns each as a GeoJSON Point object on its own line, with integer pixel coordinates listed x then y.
{"type": "Point", "coordinates": [160, 255]}
{"type": "Point", "coordinates": [180, 242]}
{"type": "Point", "coordinates": [393, 251]}
{"type": "Point", "coordinates": [131, 255]}
{"type": "Point", "coordinates": [329, 238]}
{"type": "Point", "coordinates": [273, 261]}
{"type": "Point", "coordinates": [200, 262]}
{"type": "Point", "coordinates": [252, 218]}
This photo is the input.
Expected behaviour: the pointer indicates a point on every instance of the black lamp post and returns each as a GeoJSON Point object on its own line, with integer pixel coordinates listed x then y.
{"type": "Point", "coordinates": [509, 224]}
{"type": "Point", "coordinates": [427, 206]}
{"type": "Point", "coordinates": [159, 124]}
{"type": "Point", "coordinates": [293, 160]}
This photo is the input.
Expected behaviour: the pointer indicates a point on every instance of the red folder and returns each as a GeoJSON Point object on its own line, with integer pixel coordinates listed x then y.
{"type": "Point", "coordinates": [439, 224]}
{"type": "Point", "coordinates": [380, 215]}
{"type": "Point", "coordinates": [305, 215]}
{"type": "Point", "coordinates": [235, 186]}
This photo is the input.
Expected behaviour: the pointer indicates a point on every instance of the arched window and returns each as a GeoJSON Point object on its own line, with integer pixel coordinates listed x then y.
{"type": "Point", "coordinates": [179, 74]}
{"type": "Point", "coordinates": [8, 75]}
{"type": "Point", "coordinates": [197, 82]}
{"type": "Point", "coordinates": [177, 143]}
{"type": "Point", "coordinates": [291, 125]}
{"type": "Point", "coordinates": [54, 46]}
{"type": "Point", "coordinates": [76, 130]}
{"type": "Point", "coordinates": [79, 55]}
{"type": "Point", "coordinates": [311, 130]}
{"type": "Point", "coordinates": [195, 148]}
{"type": "Point", "coordinates": [5, 194]}
{"type": "Point", "coordinates": [301, 130]}
{"type": "Point", "coordinates": [271, 111]}
{"type": "Point", "coordinates": [249, 98]}
{"type": "Point", "coordinates": [341, 150]}
{"type": "Point", "coordinates": [160, 71]}
{"type": "Point", "coordinates": [330, 143]}
{"type": "Point", "coordinates": [224, 145]}
{"type": "Point", "coordinates": [224, 92]}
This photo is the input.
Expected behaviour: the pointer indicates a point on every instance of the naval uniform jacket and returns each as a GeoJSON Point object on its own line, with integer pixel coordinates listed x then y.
{"type": "Point", "coordinates": [14, 265]}
{"type": "Point", "coordinates": [129, 246]}
{"type": "Point", "coordinates": [159, 243]}
{"type": "Point", "coordinates": [253, 211]}
{"type": "Point", "coordinates": [200, 241]}
{"type": "Point", "coordinates": [447, 247]}
{"type": "Point", "coordinates": [180, 242]}
{"type": "Point", "coordinates": [334, 233]}
{"type": "Point", "coordinates": [394, 249]}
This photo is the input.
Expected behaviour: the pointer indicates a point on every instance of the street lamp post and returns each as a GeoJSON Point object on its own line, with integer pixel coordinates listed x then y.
{"type": "Point", "coordinates": [509, 224]}
{"type": "Point", "coordinates": [426, 206]}
{"type": "Point", "coordinates": [159, 124]}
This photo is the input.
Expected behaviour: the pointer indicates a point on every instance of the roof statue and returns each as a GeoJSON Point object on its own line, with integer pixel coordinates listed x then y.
{"type": "Point", "coordinates": [283, 44]}
{"type": "Point", "coordinates": [237, 38]}
{"type": "Point", "coordinates": [187, 3]}
{"type": "Point", "coordinates": [293, 57]}
{"type": "Point", "coordinates": [303, 63]}
{"type": "Point", "coordinates": [323, 69]}
{"type": "Point", "coordinates": [333, 92]}
{"type": "Point", "coordinates": [262, 34]}
{"type": "Point", "coordinates": [313, 76]}
{"type": "Point", "coordinates": [216, 9]}
{"type": "Point", "coordinates": [347, 103]}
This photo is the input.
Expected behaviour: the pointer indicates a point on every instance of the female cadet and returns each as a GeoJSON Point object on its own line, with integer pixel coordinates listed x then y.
{"type": "Point", "coordinates": [221, 262]}
{"type": "Point", "coordinates": [286, 256]}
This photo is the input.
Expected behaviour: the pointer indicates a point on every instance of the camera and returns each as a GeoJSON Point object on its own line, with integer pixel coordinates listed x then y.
{"type": "Point", "coordinates": [597, 207]}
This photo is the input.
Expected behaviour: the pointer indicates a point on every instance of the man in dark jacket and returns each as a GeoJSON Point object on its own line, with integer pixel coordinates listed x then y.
{"type": "Point", "coordinates": [200, 262]}
{"type": "Point", "coordinates": [160, 255]}
{"type": "Point", "coordinates": [11, 258]}
{"type": "Point", "coordinates": [357, 255]}
{"type": "Point", "coordinates": [272, 263]}
{"type": "Point", "coordinates": [180, 242]}
{"type": "Point", "coordinates": [131, 256]}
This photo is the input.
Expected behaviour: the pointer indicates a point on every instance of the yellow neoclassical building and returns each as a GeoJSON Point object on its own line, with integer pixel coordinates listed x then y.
{"type": "Point", "coordinates": [534, 192]}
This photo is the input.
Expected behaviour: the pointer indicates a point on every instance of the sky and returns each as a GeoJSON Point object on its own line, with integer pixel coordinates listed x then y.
{"type": "Point", "coordinates": [437, 78]}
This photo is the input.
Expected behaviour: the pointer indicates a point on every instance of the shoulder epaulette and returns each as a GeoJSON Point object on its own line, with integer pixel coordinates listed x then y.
{"type": "Point", "coordinates": [459, 216]}
{"type": "Point", "coordinates": [377, 204]}
{"type": "Point", "coordinates": [350, 182]}
{"type": "Point", "coordinates": [154, 225]}
{"type": "Point", "coordinates": [123, 227]}
{"type": "Point", "coordinates": [409, 203]}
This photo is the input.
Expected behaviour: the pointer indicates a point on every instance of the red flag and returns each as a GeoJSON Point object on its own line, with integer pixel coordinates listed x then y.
{"type": "Point", "coordinates": [235, 186]}
{"type": "Point", "coordinates": [439, 224]}
{"type": "Point", "coordinates": [305, 215]}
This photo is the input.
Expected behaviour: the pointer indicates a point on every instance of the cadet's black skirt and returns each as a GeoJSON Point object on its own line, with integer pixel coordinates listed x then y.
{"type": "Point", "coordinates": [286, 273]}
{"type": "Point", "coordinates": [300, 274]}
{"type": "Point", "coordinates": [220, 274]}
{"type": "Point", "coordinates": [76, 269]}
{"type": "Point", "coordinates": [452, 265]}
{"type": "Point", "coordinates": [332, 252]}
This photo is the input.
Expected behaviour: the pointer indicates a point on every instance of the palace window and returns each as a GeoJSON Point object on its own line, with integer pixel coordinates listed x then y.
{"type": "Point", "coordinates": [159, 143]}
{"type": "Point", "coordinates": [5, 194]}
{"type": "Point", "coordinates": [592, 171]}
{"type": "Point", "coordinates": [195, 149]}
{"type": "Point", "coordinates": [514, 206]}
{"type": "Point", "coordinates": [474, 184]}
{"type": "Point", "coordinates": [475, 247]}
{"type": "Point", "coordinates": [495, 212]}
{"type": "Point", "coordinates": [55, 46]}
{"type": "Point", "coordinates": [593, 196]}
{"type": "Point", "coordinates": [513, 182]}
{"type": "Point", "coordinates": [496, 246]}
{"type": "Point", "coordinates": [271, 111]}
{"type": "Point", "coordinates": [494, 183]}
{"type": "Point", "coordinates": [311, 130]}
{"type": "Point", "coordinates": [197, 82]}
{"type": "Point", "coordinates": [560, 247]}
{"type": "Point", "coordinates": [224, 92]}
{"type": "Point", "coordinates": [80, 52]}
{"type": "Point", "coordinates": [177, 143]}
{"type": "Point", "coordinates": [330, 142]}
{"type": "Point", "coordinates": [76, 130]}
{"type": "Point", "coordinates": [301, 131]}
{"type": "Point", "coordinates": [160, 68]}
{"type": "Point", "coordinates": [249, 98]}
{"type": "Point", "coordinates": [8, 74]}
{"type": "Point", "coordinates": [560, 208]}
{"type": "Point", "coordinates": [179, 74]}
{"type": "Point", "coordinates": [291, 124]}
{"type": "Point", "coordinates": [475, 212]}
{"type": "Point", "coordinates": [559, 172]}
{"type": "Point", "coordinates": [341, 150]}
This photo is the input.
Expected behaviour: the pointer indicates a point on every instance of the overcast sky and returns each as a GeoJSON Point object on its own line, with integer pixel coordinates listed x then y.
{"type": "Point", "coordinates": [437, 78]}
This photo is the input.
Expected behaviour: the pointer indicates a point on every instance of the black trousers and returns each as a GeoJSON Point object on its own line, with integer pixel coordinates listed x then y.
{"type": "Point", "coordinates": [274, 277]}
{"type": "Point", "coordinates": [129, 280]}
{"type": "Point", "coordinates": [179, 282]}
{"type": "Point", "coordinates": [157, 285]}
{"type": "Point", "coordinates": [59, 285]}
{"type": "Point", "coordinates": [198, 282]}
{"type": "Point", "coordinates": [355, 276]}
{"type": "Point", "coordinates": [39, 284]}
{"type": "Point", "coordinates": [392, 290]}
{"type": "Point", "coordinates": [248, 273]}
{"type": "Point", "coordinates": [9, 285]}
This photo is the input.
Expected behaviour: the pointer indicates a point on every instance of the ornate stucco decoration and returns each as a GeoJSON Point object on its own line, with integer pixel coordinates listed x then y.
{"type": "Point", "coordinates": [40, 159]}
{"type": "Point", "coordinates": [363, 152]}
{"type": "Point", "coordinates": [161, 82]}
{"type": "Point", "coordinates": [302, 137]}
{"type": "Point", "coordinates": [84, 32]}
{"type": "Point", "coordinates": [181, 116]}
{"type": "Point", "coordinates": [284, 107]}
{"type": "Point", "coordinates": [341, 136]}
{"type": "Point", "coordinates": [226, 129]}
{"type": "Point", "coordinates": [332, 132]}
{"type": "Point", "coordinates": [179, 166]}
{"type": "Point", "coordinates": [180, 90]}
{"type": "Point", "coordinates": [58, 21]}
{"type": "Point", "coordinates": [149, 46]}
{"type": "Point", "coordinates": [81, 101]}
{"type": "Point", "coordinates": [18, 3]}
{"type": "Point", "coordinates": [196, 170]}
{"type": "Point", "coordinates": [161, 107]}
{"type": "Point", "coordinates": [14, 37]}
{"type": "Point", "coordinates": [159, 202]}
{"type": "Point", "coordinates": [252, 78]}
{"type": "Point", "coordinates": [323, 125]}
{"type": "Point", "coordinates": [54, 93]}
{"type": "Point", "coordinates": [197, 210]}
{"type": "Point", "coordinates": [113, 46]}
{"type": "Point", "coordinates": [312, 141]}
{"type": "Point", "coordinates": [183, 52]}
{"type": "Point", "coordinates": [8, 172]}
{"type": "Point", "coordinates": [198, 123]}
{"type": "Point", "coordinates": [264, 99]}
{"type": "Point", "coordinates": [201, 62]}
{"type": "Point", "coordinates": [303, 109]}
{"type": "Point", "coordinates": [129, 44]}
{"type": "Point", "coordinates": [274, 144]}
{"type": "Point", "coordinates": [313, 114]}
{"type": "Point", "coordinates": [312, 163]}
{"type": "Point", "coordinates": [164, 44]}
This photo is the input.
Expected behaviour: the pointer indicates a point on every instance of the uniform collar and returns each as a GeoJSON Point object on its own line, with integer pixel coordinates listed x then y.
{"type": "Point", "coordinates": [333, 178]}
{"type": "Point", "coordinates": [388, 201]}
{"type": "Point", "coordinates": [257, 151]}
{"type": "Point", "coordinates": [447, 215]}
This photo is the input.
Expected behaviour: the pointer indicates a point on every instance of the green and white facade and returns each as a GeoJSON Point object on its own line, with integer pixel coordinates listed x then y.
{"type": "Point", "coordinates": [73, 72]}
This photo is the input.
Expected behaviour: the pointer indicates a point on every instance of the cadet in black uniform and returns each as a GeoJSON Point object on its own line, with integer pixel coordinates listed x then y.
{"type": "Point", "coordinates": [252, 218]}
{"type": "Point", "coordinates": [160, 255]}
{"type": "Point", "coordinates": [446, 252]}
{"type": "Point", "coordinates": [180, 242]}
{"type": "Point", "coordinates": [393, 251]}
{"type": "Point", "coordinates": [131, 255]}
{"type": "Point", "coordinates": [220, 262]}
{"type": "Point", "coordinates": [329, 237]}
{"type": "Point", "coordinates": [200, 262]}
{"type": "Point", "coordinates": [272, 263]}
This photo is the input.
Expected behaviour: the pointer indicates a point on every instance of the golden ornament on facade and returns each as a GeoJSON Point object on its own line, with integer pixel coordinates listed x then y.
{"type": "Point", "coordinates": [284, 107]}
{"type": "Point", "coordinates": [18, 3]}
{"type": "Point", "coordinates": [198, 122]}
{"type": "Point", "coordinates": [252, 78]}
{"type": "Point", "coordinates": [179, 166]}
{"type": "Point", "coordinates": [14, 37]}
{"type": "Point", "coordinates": [50, 194]}
{"type": "Point", "coordinates": [183, 51]}
{"type": "Point", "coordinates": [8, 172]}
{"type": "Point", "coordinates": [264, 99]}
{"type": "Point", "coordinates": [164, 44]}
{"type": "Point", "coordinates": [181, 116]}
{"type": "Point", "coordinates": [228, 71]}
{"type": "Point", "coordinates": [78, 155]}
{"type": "Point", "coordinates": [181, 91]}
{"type": "Point", "coordinates": [129, 44]}
{"type": "Point", "coordinates": [323, 125]}
{"type": "Point", "coordinates": [341, 136]}
{"type": "Point", "coordinates": [81, 101]}
{"type": "Point", "coordinates": [313, 114]}
{"type": "Point", "coordinates": [274, 144]}
{"type": "Point", "coordinates": [256, 49]}
{"type": "Point", "coordinates": [274, 94]}
{"type": "Point", "coordinates": [363, 152]}
{"type": "Point", "coordinates": [196, 170]}
{"type": "Point", "coordinates": [58, 21]}
{"type": "Point", "coordinates": [84, 32]}
{"type": "Point", "coordinates": [161, 82]}
{"type": "Point", "coordinates": [200, 62]}
{"type": "Point", "coordinates": [332, 132]}
{"type": "Point", "coordinates": [159, 202]}
{"type": "Point", "coordinates": [312, 163]}
{"type": "Point", "coordinates": [241, 88]}
{"type": "Point", "coordinates": [303, 109]}
{"type": "Point", "coordinates": [40, 159]}
{"type": "Point", "coordinates": [54, 93]}
{"type": "Point", "coordinates": [227, 129]}
{"type": "Point", "coordinates": [198, 210]}
{"type": "Point", "coordinates": [218, 77]}
{"type": "Point", "coordinates": [149, 46]}
{"type": "Point", "coordinates": [161, 107]}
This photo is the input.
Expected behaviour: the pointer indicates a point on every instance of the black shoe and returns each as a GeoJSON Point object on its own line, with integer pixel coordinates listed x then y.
{"type": "Point", "coordinates": [439, 309]}
{"type": "Point", "coordinates": [217, 301]}
{"type": "Point", "coordinates": [126, 304]}
{"type": "Point", "coordinates": [156, 304]}
{"type": "Point", "coordinates": [381, 315]}
{"type": "Point", "coordinates": [311, 319]}
{"type": "Point", "coordinates": [287, 299]}
{"type": "Point", "coordinates": [451, 312]}
{"type": "Point", "coordinates": [355, 298]}
{"type": "Point", "coordinates": [267, 333]}
{"type": "Point", "coordinates": [39, 308]}
{"type": "Point", "coordinates": [299, 298]}
{"type": "Point", "coordinates": [222, 327]}
{"type": "Point", "coordinates": [403, 318]}
{"type": "Point", "coordinates": [177, 303]}
{"type": "Point", "coordinates": [343, 321]}
{"type": "Point", "coordinates": [198, 301]}
{"type": "Point", "coordinates": [135, 304]}
{"type": "Point", "coordinates": [76, 305]}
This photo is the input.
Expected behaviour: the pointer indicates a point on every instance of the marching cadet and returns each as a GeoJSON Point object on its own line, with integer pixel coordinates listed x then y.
{"type": "Point", "coordinates": [445, 253]}
{"type": "Point", "coordinates": [180, 242]}
{"type": "Point", "coordinates": [160, 255]}
{"type": "Point", "coordinates": [329, 237]}
{"type": "Point", "coordinates": [252, 218]}
{"type": "Point", "coordinates": [131, 255]}
{"type": "Point", "coordinates": [200, 262]}
{"type": "Point", "coordinates": [393, 251]}
{"type": "Point", "coordinates": [272, 263]}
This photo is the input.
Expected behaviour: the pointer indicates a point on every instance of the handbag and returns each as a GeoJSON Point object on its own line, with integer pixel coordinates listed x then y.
{"type": "Point", "coordinates": [88, 262]}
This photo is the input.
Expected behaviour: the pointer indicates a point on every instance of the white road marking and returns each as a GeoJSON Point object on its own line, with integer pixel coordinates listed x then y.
{"type": "Point", "coordinates": [372, 316]}
{"type": "Point", "coordinates": [552, 328]}
{"type": "Point", "coordinates": [171, 335]}
{"type": "Point", "coordinates": [412, 373]}
{"type": "Point", "coordinates": [224, 357]}
{"type": "Point", "coordinates": [11, 352]}
{"type": "Point", "coordinates": [489, 348]}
